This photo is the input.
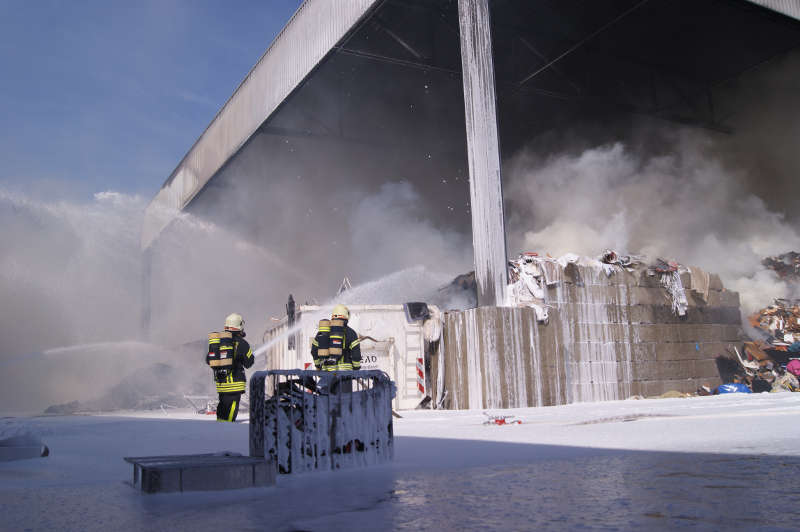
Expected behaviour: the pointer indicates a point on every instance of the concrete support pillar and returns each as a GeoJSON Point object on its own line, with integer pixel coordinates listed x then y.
{"type": "Point", "coordinates": [146, 299]}
{"type": "Point", "coordinates": [483, 149]}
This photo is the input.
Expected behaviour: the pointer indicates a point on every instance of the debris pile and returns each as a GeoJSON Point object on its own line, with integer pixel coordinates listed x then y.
{"type": "Point", "coordinates": [776, 331]}
{"type": "Point", "coordinates": [779, 324]}
{"type": "Point", "coordinates": [757, 372]}
{"type": "Point", "coordinates": [787, 266]}
{"type": "Point", "coordinates": [530, 275]}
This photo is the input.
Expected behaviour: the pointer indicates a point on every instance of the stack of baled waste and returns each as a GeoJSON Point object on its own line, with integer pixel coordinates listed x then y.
{"type": "Point", "coordinates": [587, 329]}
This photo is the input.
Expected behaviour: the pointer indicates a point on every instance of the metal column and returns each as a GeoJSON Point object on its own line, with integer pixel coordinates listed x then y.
{"type": "Point", "coordinates": [483, 149]}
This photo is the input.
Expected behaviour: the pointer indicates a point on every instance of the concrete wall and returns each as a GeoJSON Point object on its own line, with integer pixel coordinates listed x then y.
{"type": "Point", "coordinates": [612, 338]}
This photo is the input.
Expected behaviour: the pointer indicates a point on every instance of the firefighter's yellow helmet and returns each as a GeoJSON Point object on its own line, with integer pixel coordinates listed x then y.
{"type": "Point", "coordinates": [340, 311]}
{"type": "Point", "coordinates": [234, 322]}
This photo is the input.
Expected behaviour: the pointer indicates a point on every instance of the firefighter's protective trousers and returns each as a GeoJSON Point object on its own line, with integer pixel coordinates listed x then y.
{"type": "Point", "coordinates": [228, 406]}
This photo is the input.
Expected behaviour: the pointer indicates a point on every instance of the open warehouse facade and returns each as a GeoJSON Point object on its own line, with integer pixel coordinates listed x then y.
{"type": "Point", "coordinates": [357, 104]}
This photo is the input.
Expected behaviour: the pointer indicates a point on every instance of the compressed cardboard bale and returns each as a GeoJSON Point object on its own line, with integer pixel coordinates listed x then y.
{"type": "Point", "coordinates": [603, 334]}
{"type": "Point", "coordinates": [653, 388]}
{"type": "Point", "coordinates": [579, 312]}
{"type": "Point", "coordinates": [709, 332]}
{"type": "Point", "coordinates": [681, 385]}
{"type": "Point", "coordinates": [714, 282]}
{"type": "Point", "coordinates": [664, 370]}
{"type": "Point", "coordinates": [724, 315]}
{"type": "Point", "coordinates": [695, 300]}
{"type": "Point", "coordinates": [642, 352]}
{"type": "Point", "coordinates": [662, 333]}
{"type": "Point", "coordinates": [640, 295]}
{"type": "Point", "coordinates": [649, 281]}
{"type": "Point", "coordinates": [731, 332]}
{"type": "Point", "coordinates": [589, 276]}
{"type": "Point", "coordinates": [705, 368]}
{"type": "Point", "coordinates": [691, 332]}
{"type": "Point", "coordinates": [657, 388]}
{"type": "Point", "coordinates": [623, 332]}
{"type": "Point", "coordinates": [635, 390]}
{"type": "Point", "coordinates": [711, 350]}
{"type": "Point", "coordinates": [729, 298]}
{"type": "Point", "coordinates": [676, 351]}
{"type": "Point", "coordinates": [590, 332]}
{"type": "Point", "coordinates": [593, 293]}
{"type": "Point", "coordinates": [641, 314]}
{"type": "Point", "coordinates": [689, 350]}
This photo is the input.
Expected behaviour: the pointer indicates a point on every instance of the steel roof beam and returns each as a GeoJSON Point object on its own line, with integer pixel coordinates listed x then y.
{"type": "Point", "coordinates": [315, 28]}
{"type": "Point", "coordinates": [790, 8]}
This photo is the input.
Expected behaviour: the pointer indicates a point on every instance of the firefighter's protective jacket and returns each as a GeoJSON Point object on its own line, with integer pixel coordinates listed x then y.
{"type": "Point", "coordinates": [230, 378]}
{"type": "Point", "coordinates": [347, 338]}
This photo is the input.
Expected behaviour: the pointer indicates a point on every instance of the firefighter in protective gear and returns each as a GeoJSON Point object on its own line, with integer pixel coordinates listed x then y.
{"type": "Point", "coordinates": [336, 346]}
{"type": "Point", "coordinates": [228, 355]}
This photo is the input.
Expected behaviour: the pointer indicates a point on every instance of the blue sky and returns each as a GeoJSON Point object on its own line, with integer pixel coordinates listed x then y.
{"type": "Point", "coordinates": [109, 95]}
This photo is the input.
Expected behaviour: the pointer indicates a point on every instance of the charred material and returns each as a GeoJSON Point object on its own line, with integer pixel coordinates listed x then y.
{"type": "Point", "coordinates": [787, 266]}
{"type": "Point", "coordinates": [319, 420]}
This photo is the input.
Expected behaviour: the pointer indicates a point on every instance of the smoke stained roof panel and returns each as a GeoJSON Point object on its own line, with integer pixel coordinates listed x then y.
{"type": "Point", "coordinates": [555, 61]}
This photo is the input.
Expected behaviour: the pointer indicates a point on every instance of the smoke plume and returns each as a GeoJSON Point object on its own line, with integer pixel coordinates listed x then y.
{"type": "Point", "coordinates": [71, 283]}
{"type": "Point", "coordinates": [683, 204]}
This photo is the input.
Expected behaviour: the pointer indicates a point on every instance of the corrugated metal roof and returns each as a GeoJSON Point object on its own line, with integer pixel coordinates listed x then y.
{"type": "Point", "coordinates": [790, 8]}
{"type": "Point", "coordinates": [310, 34]}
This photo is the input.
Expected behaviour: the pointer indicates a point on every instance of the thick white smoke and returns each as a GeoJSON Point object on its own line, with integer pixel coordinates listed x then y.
{"type": "Point", "coordinates": [69, 272]}
{"type": "Point", "coordinates": [392, 232]}
{"type": "Point", "coordinates": [71, 285]}
{"type": "Point", "coordinates": [683, 205]}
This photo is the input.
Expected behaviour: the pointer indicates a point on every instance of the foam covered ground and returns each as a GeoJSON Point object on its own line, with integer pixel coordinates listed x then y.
{"type": "Point", "coordinates": [727, 462]}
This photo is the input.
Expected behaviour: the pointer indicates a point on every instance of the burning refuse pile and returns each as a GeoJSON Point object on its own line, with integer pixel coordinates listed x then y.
{"type": "Point", "coordinates": [776, 327]}
{"type": "Point", "coordinates": [780, 325]}
{"type": "Point", "coordinates": [787, 266]}
{"type": "Point", "coordinates": [770, 361]}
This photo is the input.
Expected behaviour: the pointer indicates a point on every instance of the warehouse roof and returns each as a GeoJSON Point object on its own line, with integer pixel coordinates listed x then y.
{"type": "Point", "coordinates": [662, 58]}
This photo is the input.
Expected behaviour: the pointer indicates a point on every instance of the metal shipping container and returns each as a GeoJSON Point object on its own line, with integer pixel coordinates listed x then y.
{"type": "Point", "coordinates": [392, 340]}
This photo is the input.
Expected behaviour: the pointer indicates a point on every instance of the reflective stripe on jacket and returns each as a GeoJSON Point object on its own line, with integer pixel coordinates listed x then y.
{"type": "Point", "coordinates": [349, 360]}
{"type": "Point", "coordinates": [235, 380]}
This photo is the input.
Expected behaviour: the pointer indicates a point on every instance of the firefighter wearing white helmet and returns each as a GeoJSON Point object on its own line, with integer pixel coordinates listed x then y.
{"type": "Point", "coordinates": [228, 355]}
{"type": "Point", "coordinates": [234, 322]}
{"type": "Point", "coordinates": [336, 346]}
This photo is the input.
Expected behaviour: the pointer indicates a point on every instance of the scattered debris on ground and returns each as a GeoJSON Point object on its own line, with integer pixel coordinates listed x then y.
{"type": "Point", "coordinates": [501, 420]}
